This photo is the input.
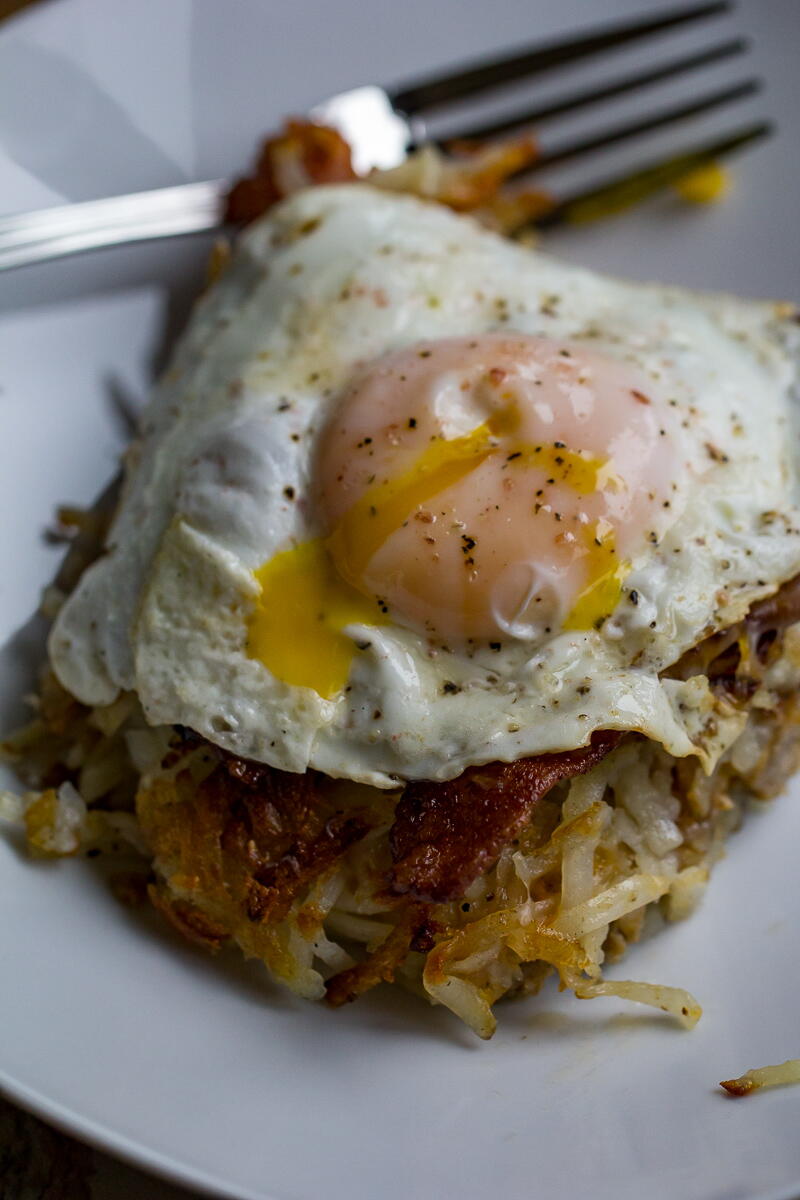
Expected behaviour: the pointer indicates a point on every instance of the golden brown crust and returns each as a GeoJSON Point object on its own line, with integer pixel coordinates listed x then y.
{"type": "Point", "coordinates": [250, 835]}
{"type": "Point", "coordinates": [301, 155]}
{"type": "Point", "coordinates": [190, 921]}
{"type": "Point", "coordinates": [736, 1087]}
{"type": "Point", "coordinates": [475, 177]}
{"type": "Point", "coordinates": [281, 826]}
{"type": "Point", "coordinates": [414, 931]}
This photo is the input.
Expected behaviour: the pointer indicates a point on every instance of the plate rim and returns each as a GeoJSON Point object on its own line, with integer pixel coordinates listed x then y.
{"type": "Point", "coordinates": [99, 1136]}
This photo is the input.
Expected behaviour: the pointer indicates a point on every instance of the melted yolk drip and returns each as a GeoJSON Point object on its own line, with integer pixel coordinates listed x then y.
{"type": "Point", "coordinates": [490, 487]}
{"type": "Point", "coordinates": [383, 509]}
{"type": "Point", "coordinates": [305, 602]}
{"type": "Point", "coordinates": [296, 627]}
{"type": "Point", "coordinates": [606, 576]}
{"type": "Point", "coordinates": [459, 479]}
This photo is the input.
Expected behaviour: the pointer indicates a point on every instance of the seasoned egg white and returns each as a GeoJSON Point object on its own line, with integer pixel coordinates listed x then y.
{"type": "Point", "coordinates": [205, 601]}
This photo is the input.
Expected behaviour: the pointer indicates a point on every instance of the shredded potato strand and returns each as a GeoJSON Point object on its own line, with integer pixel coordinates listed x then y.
{"type": "Point", "coordinates": [679, 1003]}
{"type": "Point", "coordinates": [763, 1077]}
{"type": "Point", "coordinates": [635, 837]}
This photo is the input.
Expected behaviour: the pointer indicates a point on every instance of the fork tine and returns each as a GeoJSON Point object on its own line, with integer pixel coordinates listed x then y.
{"type": "Point", "coordinates": [659, 120]}
{"type": "Point", "coordinates": [595, 95]}
{"type": "Point", "coordinates": [441, 89]}
{"type": "Point", "coordinates": [624, 191]}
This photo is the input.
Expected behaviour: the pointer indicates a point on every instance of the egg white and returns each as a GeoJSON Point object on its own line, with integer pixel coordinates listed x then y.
{"type": "Point", "coordinates": [331, 280]}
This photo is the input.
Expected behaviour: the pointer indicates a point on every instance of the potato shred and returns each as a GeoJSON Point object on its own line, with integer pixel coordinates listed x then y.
{"type": "Point", "coordinates": [473, 178]}
{"type": "Point", "coordinates": [298, 869]}
{"type": "Point", "coordinates": [763, 1077]}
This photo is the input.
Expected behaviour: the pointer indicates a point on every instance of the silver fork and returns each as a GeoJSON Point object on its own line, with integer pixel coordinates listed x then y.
{"type": "Point", "coordinates": [383, 126]}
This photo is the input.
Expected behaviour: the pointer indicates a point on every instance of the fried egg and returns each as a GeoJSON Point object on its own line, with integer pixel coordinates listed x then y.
{"type": "Point", "coordinates": [413, 497]}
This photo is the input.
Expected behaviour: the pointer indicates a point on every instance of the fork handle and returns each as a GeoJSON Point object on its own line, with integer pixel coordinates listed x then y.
{"type": "Point", "coordinates": [143, 216]}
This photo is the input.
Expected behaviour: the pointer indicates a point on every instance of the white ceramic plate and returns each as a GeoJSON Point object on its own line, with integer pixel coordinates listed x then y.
{"type": "Point", "coordinates": [198, 1068]}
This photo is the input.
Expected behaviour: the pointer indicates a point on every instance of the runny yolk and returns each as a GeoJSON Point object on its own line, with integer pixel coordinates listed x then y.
{"type": "Point", "coordinates": [296, 627]}
{"type": "Point", "coordinates": [383, 509]}
{"type": "Point", "coordinates": [606, 574]}
{"type": "Point", "coordinates": [491, 487]}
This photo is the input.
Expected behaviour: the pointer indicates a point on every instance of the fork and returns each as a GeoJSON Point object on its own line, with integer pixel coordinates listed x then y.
{"type": "Point", "coordinates": [383, 126]}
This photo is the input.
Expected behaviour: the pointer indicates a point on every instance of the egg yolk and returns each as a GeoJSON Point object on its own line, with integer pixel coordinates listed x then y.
{"type": "Point", "coordinates": [303, 607]}
{"type": "Point", "coordinates": [491, 487]}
